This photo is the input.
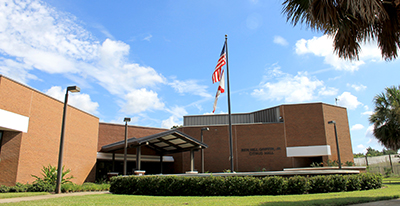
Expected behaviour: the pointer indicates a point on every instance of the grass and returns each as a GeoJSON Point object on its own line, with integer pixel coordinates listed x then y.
{"type": "Point", "coordinates": [390, 190]}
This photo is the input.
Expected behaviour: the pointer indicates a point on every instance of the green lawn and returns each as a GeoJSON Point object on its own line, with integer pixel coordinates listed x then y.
{"type": "Point", "coordinates": [389, 191]}
{"type": "Point", "coordinates": [21, 194]}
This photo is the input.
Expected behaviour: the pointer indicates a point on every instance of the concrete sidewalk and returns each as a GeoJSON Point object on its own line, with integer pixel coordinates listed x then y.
{"type": "Point", "coordinates": [381, 203]}
{"type": "Point", "coordinates": [42, 197]}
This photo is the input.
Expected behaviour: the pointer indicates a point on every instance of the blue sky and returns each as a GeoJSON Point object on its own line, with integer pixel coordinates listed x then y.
{"type": "Point", "coordinates": [152, 60]}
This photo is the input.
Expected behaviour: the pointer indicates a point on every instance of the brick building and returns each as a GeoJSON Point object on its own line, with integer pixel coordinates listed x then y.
{"type": "Point", "coordinates": [286, 136]}
{"type": "Point", "coordinates": [30, 128]}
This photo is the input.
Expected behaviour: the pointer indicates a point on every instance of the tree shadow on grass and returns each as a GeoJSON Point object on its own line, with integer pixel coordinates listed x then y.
{"type": "Point", "coordinates": [331, 201]}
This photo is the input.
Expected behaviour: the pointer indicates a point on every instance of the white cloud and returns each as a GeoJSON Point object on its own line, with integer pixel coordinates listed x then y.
{"type": "Point", "coordinates": [299, 88]}
{"type": "Point", "coordinates": [39, 37]}
{"type": "Point", "coordinates": [280, 40]}
{"type": "Point", "coordinates": [78, 100]}
{"type": "Point", "coordinates": [170, 122]}
{"type": "Point", "coordinates": [148, 37]}
{"type": "Point", "coordinates": [369, 113]}
{"type": "Point", "coordinates": [357, 127]}
{"type": "Point", "coordinates": [190, 87]}
{"type": "Point", "coordinates": [358, 87]}
{"type": "Point", "coordinates": [176, 118]}
{"type": "Point", "coordinates": [35, 36]}
{"type": "Point", "coordinates": [141, 100]}
{"type": "Point", "coordinates": [16, 70]}
{"type": "Point", "coordinates": [330, 91]}
{"type": "Point", "coordinates": [346, 99]}
{"type": "Point", "coordinates": [323, 47]}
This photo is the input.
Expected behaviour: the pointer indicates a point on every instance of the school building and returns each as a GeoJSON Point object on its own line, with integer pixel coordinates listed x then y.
{"type": "Point", "coordinates": [285, 136]}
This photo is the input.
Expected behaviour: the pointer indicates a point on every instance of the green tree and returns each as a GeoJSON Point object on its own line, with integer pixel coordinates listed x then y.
{"type": "Point", "coordinates": [386, 118]}
{"type": "Point", "coordinates": [350, 22]}
{"type": "Point", "coordinates": [373, 152]}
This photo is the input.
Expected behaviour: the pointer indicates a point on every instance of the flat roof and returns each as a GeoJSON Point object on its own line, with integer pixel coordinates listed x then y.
{"type": "Point", "coordinates": [171, 141]}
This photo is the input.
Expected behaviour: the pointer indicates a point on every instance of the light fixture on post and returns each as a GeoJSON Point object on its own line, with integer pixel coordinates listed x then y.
{"type": "Point", "coordinates": [126, 120]}
{"type": "Point", "coordinates": [60, 154]}
{"type": "Point", "coordinates": [202, 150]}
{"type": "Point", "coordinates": [337, 143]}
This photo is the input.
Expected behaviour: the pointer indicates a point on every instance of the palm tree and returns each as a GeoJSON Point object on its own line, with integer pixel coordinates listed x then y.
{"type": "Point", "coordinates": [386, 118]}
{"type": "Point", "coordinates": [350, 22]}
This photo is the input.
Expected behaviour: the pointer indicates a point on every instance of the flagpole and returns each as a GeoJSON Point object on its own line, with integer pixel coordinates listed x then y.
{"type": "Point", "coordinates": [229, 106]}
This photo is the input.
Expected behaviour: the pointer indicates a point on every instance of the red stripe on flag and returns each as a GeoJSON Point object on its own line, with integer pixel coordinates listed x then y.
{"type": "Point", "coordinates": [216, 77]}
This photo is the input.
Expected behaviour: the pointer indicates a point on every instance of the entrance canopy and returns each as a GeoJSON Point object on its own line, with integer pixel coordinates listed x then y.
{"type": "Point", "coordinates": [168, 142]}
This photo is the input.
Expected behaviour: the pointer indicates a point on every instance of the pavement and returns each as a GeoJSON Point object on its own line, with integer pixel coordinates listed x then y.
{"type": "Point", "coordinates": [42, 197]}
{"type": "Point", "coordinates": [381, 203]}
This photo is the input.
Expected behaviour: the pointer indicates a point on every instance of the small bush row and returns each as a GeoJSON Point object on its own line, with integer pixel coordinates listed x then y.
{"type": "Point", "coordinates": [41, 186]}
{"type": "Point", "coordinates": [241, 186]}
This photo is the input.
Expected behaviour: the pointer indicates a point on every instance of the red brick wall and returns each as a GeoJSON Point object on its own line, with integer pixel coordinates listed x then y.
{"type": "Point", "coordinates": [111, 133]}
{"type": "Point", "coordinates": [339, 115]}
{"type": "Point", "coordinates": [9, 156]}
{"type": "Point", "coordinates": [263, 146]}
{"type": "Point", "coordinates": [40, 145]}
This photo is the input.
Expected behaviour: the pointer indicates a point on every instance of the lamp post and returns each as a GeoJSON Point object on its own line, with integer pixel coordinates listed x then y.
{"type": "Point", "coordinates": [126, 120]}
{"type": "Point", "coordinates": [60, 155]}
{"type": "Point", "coordinates": [202, 151]}
{"type": "Point", "coordinates": [337, 143]}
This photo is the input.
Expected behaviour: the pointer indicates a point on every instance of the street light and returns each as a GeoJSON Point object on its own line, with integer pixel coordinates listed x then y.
{"type": "Point", "coordinates": [126, 120]}
{"type": "Point", "coordinates": [60, 155]}
{"type": "Point", "coordinates": [337, 143]}
{"type": "Point", "coordinates": [202, 151]}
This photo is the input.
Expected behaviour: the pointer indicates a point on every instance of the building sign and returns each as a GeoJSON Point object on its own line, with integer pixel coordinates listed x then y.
{"type": "Point", "coordinates": [261, 150]}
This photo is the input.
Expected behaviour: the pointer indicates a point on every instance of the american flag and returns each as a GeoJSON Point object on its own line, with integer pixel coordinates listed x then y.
{"type": "Point", "coordinates": [216, 77]}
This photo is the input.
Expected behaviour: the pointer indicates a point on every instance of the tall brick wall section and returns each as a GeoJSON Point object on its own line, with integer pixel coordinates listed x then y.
{"type": "Point", "coordinates": [304, 124]}
{"type": "Point", "coordinates": [9, 156]}
{"type": "Point", "coordinates": [263, 146]}
{"type": "Point", "coordinates": [339, 115]}
{"type": "Point", "coordinates": [255, 147]}
{"type": "Point", "coordinates": [111, 133]}
{"type": "Point", "coordinates": [40, 145]}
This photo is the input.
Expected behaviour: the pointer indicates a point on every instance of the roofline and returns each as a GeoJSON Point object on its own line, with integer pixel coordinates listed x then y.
{"type": "Point", "coordinates": [293, 104]}
{"type": "Point", "coordinates": [122, 124]}
{"type": "Point", "coordinates": [28, 87]}
{"type": "Point", "coordinates": [117, 145]}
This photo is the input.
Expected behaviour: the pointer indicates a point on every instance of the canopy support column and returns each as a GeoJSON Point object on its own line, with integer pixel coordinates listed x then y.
{"type": "Point", "coordinates": [113, 162]}
{"type": "Point", "coordinates": [138, 157]}
{"type": "Point", "coordinates": [191, 160]}
{"type": "Point", "coordinates": [161, 163]}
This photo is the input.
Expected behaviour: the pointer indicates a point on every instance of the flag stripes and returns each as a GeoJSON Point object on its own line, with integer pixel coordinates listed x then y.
{"type": "Point", "coordinates": [216, 77]}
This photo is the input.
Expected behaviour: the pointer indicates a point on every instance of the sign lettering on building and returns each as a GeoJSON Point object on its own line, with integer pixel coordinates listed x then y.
{"type": "Point", "coordinates": [261, 150]}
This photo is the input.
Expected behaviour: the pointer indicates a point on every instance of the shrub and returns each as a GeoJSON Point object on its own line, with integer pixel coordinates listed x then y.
{"type": "Point", "coordinates": [239, 186]}
{"type": "Point", "coordinates": [40, 185]}
{"type": "Point", "coordinates": [273, 185]}
{"type": "Point", "coordinates": [370, 181]}
{"type": "Point", "coordinates": [49, 175]}
{"type": "Point", "coordinates": [297, 185]}
{"type": "Point", "coordinates": [353, 182]}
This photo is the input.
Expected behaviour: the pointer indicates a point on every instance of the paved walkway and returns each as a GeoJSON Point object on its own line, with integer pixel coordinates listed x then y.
{"type": "Point", "coordinates": [381, 203]}
{"type": "Point", "coordinates": [41, 197]}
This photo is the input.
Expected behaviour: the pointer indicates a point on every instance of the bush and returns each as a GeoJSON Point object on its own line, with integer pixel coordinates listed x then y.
{"type": "Point", "coordinates": [40, 185]}
{"type": "Point", "coordinates": [240, 186]}
{"type": "Point", "coordinates": [297, 185]}
{"type": "Point", "coordinates": [273, 185]}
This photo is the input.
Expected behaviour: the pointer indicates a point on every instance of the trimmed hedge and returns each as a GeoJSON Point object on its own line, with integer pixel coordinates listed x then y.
{"type": "Point", "coordinates": [41, 186]}
{"type": "Point", "coordinates": [241, 186]}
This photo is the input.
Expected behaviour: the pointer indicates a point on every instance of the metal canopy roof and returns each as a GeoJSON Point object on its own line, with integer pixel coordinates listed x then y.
{"type": "Point", "coordinates": [171, 141]}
